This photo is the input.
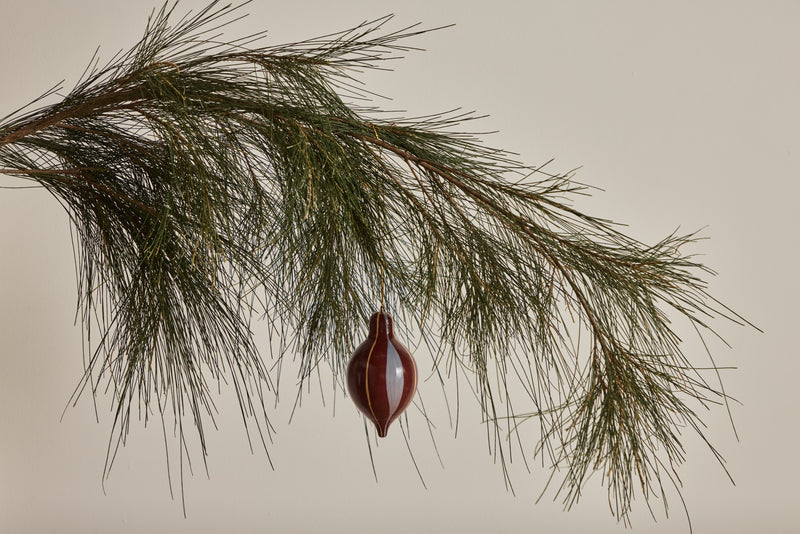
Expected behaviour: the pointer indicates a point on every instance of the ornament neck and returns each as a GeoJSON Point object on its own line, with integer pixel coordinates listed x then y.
{"type": "Point", "coordinates": [381, 323]}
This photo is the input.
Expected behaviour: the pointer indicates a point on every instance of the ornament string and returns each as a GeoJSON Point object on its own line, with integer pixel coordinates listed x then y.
{"type": "Point", "coordinates": [382, 251]}
{"type": "Point", "coordinates": [383, 275]}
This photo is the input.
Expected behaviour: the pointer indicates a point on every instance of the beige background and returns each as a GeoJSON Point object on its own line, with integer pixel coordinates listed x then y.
{"type": "Point", "coordinates": [685, 113]}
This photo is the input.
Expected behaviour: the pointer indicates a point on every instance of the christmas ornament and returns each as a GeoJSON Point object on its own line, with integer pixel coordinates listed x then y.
{"type": "Point", "coordinates": [381, 375]}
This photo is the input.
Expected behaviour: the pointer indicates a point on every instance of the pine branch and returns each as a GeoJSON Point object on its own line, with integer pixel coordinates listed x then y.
{"type": "Point", "coordinates": [211, 182]}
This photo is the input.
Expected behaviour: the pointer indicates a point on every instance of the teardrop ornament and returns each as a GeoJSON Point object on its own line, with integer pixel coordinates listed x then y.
{"type": "Point", "coordinates": [381, 375]}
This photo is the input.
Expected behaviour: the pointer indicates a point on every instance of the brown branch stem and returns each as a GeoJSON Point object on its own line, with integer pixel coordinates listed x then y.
{"type": "Point", "coordinates": [97, 104]}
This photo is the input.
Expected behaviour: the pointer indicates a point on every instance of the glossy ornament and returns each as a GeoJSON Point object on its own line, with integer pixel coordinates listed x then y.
{"type": "Point", "coordinates": [381, 375]}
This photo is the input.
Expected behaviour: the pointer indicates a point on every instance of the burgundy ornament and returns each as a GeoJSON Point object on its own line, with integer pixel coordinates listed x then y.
{"type": "Point", "coordinates": [381, 375]}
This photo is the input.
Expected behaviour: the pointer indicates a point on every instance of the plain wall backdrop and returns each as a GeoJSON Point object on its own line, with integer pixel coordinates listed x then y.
{"type": "Point", "coordinates": [684, 113]}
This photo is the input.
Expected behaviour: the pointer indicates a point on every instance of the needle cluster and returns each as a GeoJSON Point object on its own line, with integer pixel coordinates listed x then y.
{"type": "Point", "coordinates": [209, 182]}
